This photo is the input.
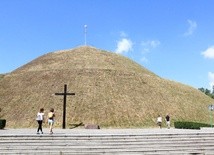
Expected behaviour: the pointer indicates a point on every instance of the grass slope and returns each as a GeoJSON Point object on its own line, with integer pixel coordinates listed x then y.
{"type": "Point", "coordinates": [111, 91]}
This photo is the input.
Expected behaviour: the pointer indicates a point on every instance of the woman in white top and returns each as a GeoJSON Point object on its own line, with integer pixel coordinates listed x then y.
{"type": "Point", "coordinates": [159, 121]}
{"type": "Point", "coordinates": [40, 119]}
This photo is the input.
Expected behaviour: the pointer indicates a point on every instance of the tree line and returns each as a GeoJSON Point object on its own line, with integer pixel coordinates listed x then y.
{"type": "Point", "coordinates": [208, 92]}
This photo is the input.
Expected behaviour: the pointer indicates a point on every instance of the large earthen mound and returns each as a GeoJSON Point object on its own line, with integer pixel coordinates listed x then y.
{"type": "Point", "coordinates": [111, 90]}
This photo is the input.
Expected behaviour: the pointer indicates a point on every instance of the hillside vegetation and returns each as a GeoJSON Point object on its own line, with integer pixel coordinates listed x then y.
{"type": "Point", "coordinates": [111, 90]}
{"type": "Point", "coordinates": [1, 76]}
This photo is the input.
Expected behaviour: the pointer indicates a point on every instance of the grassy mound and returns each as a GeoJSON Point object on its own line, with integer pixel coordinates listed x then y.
{"type": "Point", "coordinates": [111, 91]}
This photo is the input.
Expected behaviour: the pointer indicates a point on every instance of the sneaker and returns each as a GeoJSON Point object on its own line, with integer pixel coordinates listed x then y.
{"type": "Point", "coordinates": [37, 133]}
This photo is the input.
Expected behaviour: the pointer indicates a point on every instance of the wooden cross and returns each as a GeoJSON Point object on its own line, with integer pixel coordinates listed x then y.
{"type": "Point", "coordinates": [65, 93]}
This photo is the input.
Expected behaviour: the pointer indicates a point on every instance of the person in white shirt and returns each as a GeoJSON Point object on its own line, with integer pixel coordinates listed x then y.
{"type": "Point", "coordinates": [40, 119]}
{"type": "Point", "coordinates": [159, 121]}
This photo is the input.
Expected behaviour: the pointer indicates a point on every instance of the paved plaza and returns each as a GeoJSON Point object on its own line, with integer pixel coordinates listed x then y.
{"type": "Point", "coordinates": [77, 131]}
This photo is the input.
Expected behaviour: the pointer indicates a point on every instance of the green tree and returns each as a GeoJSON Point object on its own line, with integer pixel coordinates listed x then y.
{"type": "Point", "coordinates": [213, 90]}
{"type": "Point", "coordinates": [207, 92]}
{"type": "Point", "coordinates": [201, 89]}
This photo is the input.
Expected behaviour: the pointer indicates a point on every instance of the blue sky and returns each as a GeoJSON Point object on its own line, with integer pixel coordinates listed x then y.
{"type": "Point", "coordinates": [172, 38]}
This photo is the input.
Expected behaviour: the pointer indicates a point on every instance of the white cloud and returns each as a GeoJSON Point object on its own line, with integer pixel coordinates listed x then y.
{"type": "Point", "coordinates": [124, 45]}
{"type": "Point", "coordinates": [191, 29]}
{"type": "Point", "coordinates": [123, 34]}
{"type": "Point", "coordinates": [211, 79]}
{"type": "Point", "coordinates": [144, 59]}
{"type": "Point", "coordinates": [150, 44]}
{"type": "Point", "coordinates": [209, 53]}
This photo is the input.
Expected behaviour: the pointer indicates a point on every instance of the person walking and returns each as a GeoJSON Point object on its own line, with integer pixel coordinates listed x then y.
{"type": "Point", "coordinates": [159, 121]}
{"type": "Point", "coordinates": [40, 119]}
{"type": "Point", "coordinates": [168, 121]}
{"type": "Point", "coordinates": [51, 116]}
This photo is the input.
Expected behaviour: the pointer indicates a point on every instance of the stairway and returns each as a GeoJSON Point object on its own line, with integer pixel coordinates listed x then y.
{"type": "Point", "coordinates": [111, 141]}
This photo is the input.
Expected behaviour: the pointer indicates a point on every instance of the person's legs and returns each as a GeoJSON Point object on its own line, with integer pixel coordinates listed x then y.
{"type": "Point", "coordinates": [50, 122]}
{"type": "Point", "coordinates": [40, 126]}
{"type": "Point", "coordinates": [168, 124]}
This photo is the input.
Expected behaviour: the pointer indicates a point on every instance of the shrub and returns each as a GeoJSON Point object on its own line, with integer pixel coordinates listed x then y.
{"type": "Point", "coordinates": [190, 125]}
{"type": "Point", "coordinates": [2, 123]}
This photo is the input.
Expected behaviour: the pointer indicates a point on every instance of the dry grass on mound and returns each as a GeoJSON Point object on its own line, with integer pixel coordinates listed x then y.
{"type": "Point", "coordinates": [111, 91]}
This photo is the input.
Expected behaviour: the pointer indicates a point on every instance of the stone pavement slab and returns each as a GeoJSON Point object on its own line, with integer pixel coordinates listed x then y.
{"type": "Point", "coordinates": [58, 131]}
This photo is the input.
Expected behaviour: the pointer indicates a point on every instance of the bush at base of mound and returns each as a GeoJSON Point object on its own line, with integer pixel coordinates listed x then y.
{"type": "Point", "coordinates": [2, 123]}
{"type": "Point", "coordinates": [190, 125]}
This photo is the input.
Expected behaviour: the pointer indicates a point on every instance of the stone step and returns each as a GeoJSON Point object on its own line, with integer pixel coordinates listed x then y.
{"type": "Point", "coordinates": [112, 151]}
{"type": "Point", "coordinates": [102, 142]}
{"type": "Point", "coordinates": [109, 148]}
{"type": "Point", "coordinates": [105, 136]}
{"type": "Point", "coordinates": [105, 139]}
{"type": "Point", "coordinates": [109, 140]}
{"type": "Point", "coordinates": [121, 146]}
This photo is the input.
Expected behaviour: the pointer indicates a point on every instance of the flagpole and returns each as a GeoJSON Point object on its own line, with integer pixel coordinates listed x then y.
{"type": "Point", "coordinates": [85, 26]}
